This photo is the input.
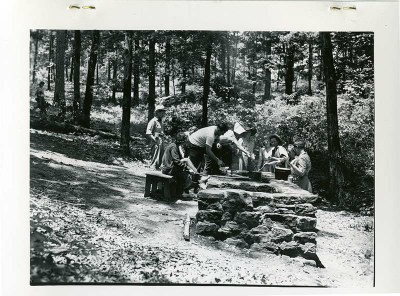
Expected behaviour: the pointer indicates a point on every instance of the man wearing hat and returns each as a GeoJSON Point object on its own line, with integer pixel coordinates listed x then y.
{"type": "Point", "coordinates": [155, 134]}
{"type": "Point", "coordinates": [279, 155]}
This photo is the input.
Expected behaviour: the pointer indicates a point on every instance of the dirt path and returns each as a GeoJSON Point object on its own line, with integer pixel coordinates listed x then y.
{"type": "Point", "coordinates": [90, 218]}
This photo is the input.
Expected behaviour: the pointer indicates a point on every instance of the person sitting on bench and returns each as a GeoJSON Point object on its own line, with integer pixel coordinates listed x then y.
{"type": "Point", "coordinates": [174, 164]}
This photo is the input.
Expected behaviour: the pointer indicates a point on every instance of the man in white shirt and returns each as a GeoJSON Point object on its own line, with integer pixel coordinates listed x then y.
{"type": "Point", "coordinates": [201, 141]}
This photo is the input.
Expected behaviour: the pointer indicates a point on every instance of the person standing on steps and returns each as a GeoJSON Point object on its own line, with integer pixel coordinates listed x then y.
{"type": "Point", "coordinates": [155, 134]}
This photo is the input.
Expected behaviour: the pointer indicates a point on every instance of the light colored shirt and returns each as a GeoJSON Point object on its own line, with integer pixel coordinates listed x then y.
{"type": "Point", "coordinates": [204, 136]}
{"type": "Point", "coordinates": [154, 127]}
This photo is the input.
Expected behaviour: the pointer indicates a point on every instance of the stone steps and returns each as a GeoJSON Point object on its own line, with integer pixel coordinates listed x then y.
{"type": "Point", "coordinates": [276, 217]}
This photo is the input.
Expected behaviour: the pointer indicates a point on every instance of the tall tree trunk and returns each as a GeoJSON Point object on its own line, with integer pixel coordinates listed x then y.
{"type": "Point", "coordinates": [115, 78]}
{"type": "Point", "coordinates": [167, 66]}
{"type": "Point", "coordinates": [336, 178]}
{"type": "Point", "coordinates": [136, 73]}
{"type": "Point", "coordinates": [126, 101]}
{"type": "Point", "coordinates": [108, 71]}
{"type": "Point", "coordinates": [51, 38]}
{"type": "Point", "coordinates": [223, 58]}
{"type": "Point", "coordinates": [321, 67]}
{"type": "Point", "coordinates": [77, 83]}
{"type": "Point", "coordinates": [97, 73]}
{"type": "Point", "coordinates": [59, 89]}
{"type": "Point", "coordinates": [183, 84]}
{"type": "Point", "coordinates": [35, 36]}
{"type": "Point", "coordinates": [71, 73]}
{"type": "Point", "coordinates": [289, 76]}
{"type": "Point", "coordinates": [267, 85]}
{"type": "Point", "coordinates": [228, 60]}
{"type": "Point", "coordinates": [206, 81]}
{"type": "Point", "coordinates": [234, 58]}
{"type": "Point", "coordinates": [310, 67]}
{"type": "Point", "coordinates": [152, 79]}
{"type": "Point", "coordinates": [87, 103]}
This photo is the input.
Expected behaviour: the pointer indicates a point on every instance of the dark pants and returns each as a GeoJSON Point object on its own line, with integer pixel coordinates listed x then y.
{"type": "Point", "coordinates": [196, 154]}
{"type": "Point", "coordinates": [225, 153]}
{"type": "Point", "coordinates": [183, 178]}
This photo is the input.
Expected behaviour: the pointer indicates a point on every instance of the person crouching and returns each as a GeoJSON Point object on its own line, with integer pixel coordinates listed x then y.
{"type": "Point", "coordinates": [174, 164]}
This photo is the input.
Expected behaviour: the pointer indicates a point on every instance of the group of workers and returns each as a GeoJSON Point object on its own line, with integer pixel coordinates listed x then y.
{"type": "Point", "coordinates": [213, 149]}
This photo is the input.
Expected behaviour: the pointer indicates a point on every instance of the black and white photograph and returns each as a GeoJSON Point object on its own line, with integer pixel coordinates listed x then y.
{"type": "Point", "coordinates": [177, 157]}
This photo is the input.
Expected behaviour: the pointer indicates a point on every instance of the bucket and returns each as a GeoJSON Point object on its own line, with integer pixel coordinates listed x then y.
{"type": "Point", "coordinates": [255, 176]}
{"type": "Point", "coordinates": [282, 173]}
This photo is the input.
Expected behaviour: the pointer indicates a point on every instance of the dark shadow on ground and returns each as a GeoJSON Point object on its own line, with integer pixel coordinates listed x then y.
{"type": "Point", "coordinates": [77, 185]}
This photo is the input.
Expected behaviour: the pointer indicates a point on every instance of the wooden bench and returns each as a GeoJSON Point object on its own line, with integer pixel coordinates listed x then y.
{"type": "Point", "coordinates": [159, 185]}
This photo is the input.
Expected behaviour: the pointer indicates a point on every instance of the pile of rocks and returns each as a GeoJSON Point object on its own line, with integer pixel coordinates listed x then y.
{"type": "Point", "coordinates": [276, 217]}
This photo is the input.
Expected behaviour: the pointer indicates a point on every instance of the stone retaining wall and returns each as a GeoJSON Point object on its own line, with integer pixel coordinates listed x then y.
{"type": "Point", "coordinates": [276, 216]}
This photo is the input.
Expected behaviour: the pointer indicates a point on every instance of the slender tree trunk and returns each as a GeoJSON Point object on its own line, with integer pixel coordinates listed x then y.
{"type": "Point", "coordinates": [223, 58]}
{"type": "Point", "coordinates": [310, 67]}
{"type": "Point", "coordinates": [152, 79]}
{"type": "Point", "coordinates": [267, 86]}
{"type": "Point", "coordinates": [167, 66]}
{"type": "Point", "coordinates": [228, 61]}
{"type": "Point", "coordinates": [77, 83]}
{"type": "Point", "coordinates": [289, 77]}
{"type": "Point", "coordinates": [234, 58]}
{"type": "Point", "coordinates": [35, 36]}
{"type": "Point", "coordinates": [321, 66]}
{"type": "Point", "coordinates": [51, 38]}
{"type": "Point", "coordinates": [136, 73]}
{"type": "Point", "coordinates": [206, 83]}
{"type": "Point", "coordinates": [71, 73]}
{"type": "Point", "coordinates": [115, 79]}
{"type": "Point", "coordinates": [335, 155]}
{"type": "Point", "coordinates": [183, 84]}
{"type": "Point", "coordinates": [108, 71]}
{"type": "Point", "coordinates": [87, 103]}
{"type": "Point", "coordinates": [97, 73]}
{"type": "Point", "coordinates": [126, 101]}
{"type": "Point", "coordinates": [59, 89]}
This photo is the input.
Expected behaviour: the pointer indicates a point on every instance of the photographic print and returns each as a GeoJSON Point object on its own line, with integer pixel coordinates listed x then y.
{"type": "Point", "coordinates": [202, 158]}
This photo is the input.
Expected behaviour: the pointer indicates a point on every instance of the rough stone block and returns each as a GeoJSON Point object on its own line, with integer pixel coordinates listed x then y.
{"type": "Point", "coordinates": [275, 235]}
{"type": "Point", "coordinates": [305, 237]}
{"type": "Point", "coordinates": [230, 229]}
{"type": "Point", "coordinates": [262, 198]}
{"type": "Point", "coordinates": [291, 249]}
{"type": "Point", "coordinates": [236, 242]}
{"type": "Point", "coordinates": [294, 198]}
{"type": "Point", "coordinates": [209, 216]}
{"type": "Point", "coordinates": [299, 209]}
{"type": "Point", "coordinates": [250, 219]}
{"type": "Point", "coordinates": [270, 247]}
{"type": "Point", "coordinates": [306, 223]}
{"type": "Point", "coordinates": [210, 196]}
{"type": "Point", "coordinates": [215, 206]}
{"type": "Point", "coordinates": [226, 216]}
{"type": "Point", "coordinates": [289, 220]}
{"type": "Point", "coordinates": [309, 251]}
{"type": "Point", "coordinates": [223, 182]}
{"type": "Point", "coordinates": [206, 228]}
{"type": "Point", "coordinates": [264, 209]}
{"type": "Point", "coordinates": [261, 229]}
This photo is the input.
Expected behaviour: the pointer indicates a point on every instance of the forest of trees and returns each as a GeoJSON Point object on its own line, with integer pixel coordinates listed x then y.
{"type": "Point", "coordinates": [317, 86]}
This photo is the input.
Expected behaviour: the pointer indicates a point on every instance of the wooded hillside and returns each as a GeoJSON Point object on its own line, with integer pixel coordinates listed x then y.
{"type": "Point", "coordinates": [316, 86]}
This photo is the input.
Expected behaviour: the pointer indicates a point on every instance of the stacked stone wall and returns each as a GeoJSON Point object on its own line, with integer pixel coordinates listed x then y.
{"type": "Point", "coordinates": [276, 217]}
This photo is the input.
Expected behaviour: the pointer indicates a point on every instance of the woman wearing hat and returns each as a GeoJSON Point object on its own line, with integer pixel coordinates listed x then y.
{"type": "Point", "coordinates": [301, 166]}
{"type": "Point", "coordinates": [279, 154]}
{"type": "Point", "coordinates": [155, 133]}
